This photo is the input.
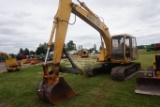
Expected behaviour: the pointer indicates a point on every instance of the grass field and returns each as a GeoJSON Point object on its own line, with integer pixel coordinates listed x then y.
{"type": "Point", "coordinates": [17, 89]}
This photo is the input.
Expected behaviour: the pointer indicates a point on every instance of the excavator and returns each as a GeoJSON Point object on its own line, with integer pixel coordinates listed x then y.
{"type": "Point", "coordinates": [148, 82]}
{"type": "Point", "coordinates": [117, 53]}
{"type": "Point", "coordinates": [11, 64]}
{"type": "Point", "coordinates": [84, 53]}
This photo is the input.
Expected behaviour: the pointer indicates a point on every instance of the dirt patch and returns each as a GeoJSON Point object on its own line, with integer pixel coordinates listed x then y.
{"type": "Point", "coordinates": [81, 62]}
{"type": "Point", "coordinates": [2, 68]}
{"type": "Point", "coordinates": [4, 105]}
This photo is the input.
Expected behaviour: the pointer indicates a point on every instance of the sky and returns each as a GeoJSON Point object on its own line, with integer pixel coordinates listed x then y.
{"type": "Point", "coordinates": [27, 23]}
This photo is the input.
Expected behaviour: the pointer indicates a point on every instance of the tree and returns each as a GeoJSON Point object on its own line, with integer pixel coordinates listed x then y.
{"type": "Point", "coordinates": [32, 52]}
{"type": "Point", "coordinates": [26, 52]}
{"type": "Point", "coordinates": [70, 46]}
{"type": "Point", "coordinates": [12, 55]}
{"type": "Point", "coordinates": [80, 47]}
{"type": "Point", "coordinates": [95, 47]}
{"type": "Point", "coordinates": [21, 51]}
{"type": "Point", "coordinates": [42, 49]}
{"type": "Point", "coordinates": [91, 50]}
{"type": "Point", "coordinates": [141, 47]}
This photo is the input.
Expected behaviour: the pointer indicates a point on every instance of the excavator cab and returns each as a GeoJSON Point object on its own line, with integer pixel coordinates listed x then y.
{"type": "Point", "coordinates": [124, 47]}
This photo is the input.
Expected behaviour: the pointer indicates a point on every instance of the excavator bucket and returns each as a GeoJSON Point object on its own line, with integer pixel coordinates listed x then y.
{"type": "Point", "coordinates": [56, 92]}
{"type": "Point", "coordinates": [148, 85]}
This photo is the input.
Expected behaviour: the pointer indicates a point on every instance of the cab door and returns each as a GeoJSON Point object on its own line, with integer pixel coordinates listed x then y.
{"type": "Point", "coordinates": [128, 44]}
{"type": "Point", "coordinates": [134, 51]}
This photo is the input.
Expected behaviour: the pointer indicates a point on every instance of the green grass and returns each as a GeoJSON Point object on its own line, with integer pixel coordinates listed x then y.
{"type": "Point", "coordinates": [146, 58]}
{"type": "Point", "coordinates": [17, 89]}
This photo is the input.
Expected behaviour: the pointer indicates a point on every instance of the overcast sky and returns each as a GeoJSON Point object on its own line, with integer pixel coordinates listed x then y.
{"type": "Point", "coordinates": [27, 23]}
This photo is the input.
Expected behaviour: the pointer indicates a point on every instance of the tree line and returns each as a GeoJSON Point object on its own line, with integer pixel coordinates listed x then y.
{"type": "Point", "coordinates": [42, 49]}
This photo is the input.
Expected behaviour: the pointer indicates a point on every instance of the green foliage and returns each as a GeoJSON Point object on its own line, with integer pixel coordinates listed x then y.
{"type": "Point", "coordinates": [23, 52]}
{"type": "Point", "coordinates": [70, 46]}
{"type": "Point", "coordinates": [32, 52]}
{"type": "Point", "coordinates": [91, 50]}
{"type": "Point", "coordinates": [26, 52]}
{"type": "Point", "coordinates": [3, 58]}
{"type": "Point", "coordinates": [42, 49]}
{"type": "Point", "coordinates": [12, 55]}
{"type": "Point", "coordinates": [141, 47]}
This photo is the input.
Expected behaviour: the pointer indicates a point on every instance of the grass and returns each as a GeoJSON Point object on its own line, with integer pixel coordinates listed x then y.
{"type": "Point", "coordinates": [17, 89]}
{"type": "Point", "coordinates": [146, 58]}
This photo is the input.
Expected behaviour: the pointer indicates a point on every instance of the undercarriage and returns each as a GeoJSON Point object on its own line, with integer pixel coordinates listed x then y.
{"type": "Point", "coordinates": [118, 72]}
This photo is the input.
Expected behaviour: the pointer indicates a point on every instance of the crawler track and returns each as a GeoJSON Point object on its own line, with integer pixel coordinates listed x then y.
{"type": "Point", "coordinates": [96, 69]}
{"type": "Point", "coordinates": [118, 72]}
{"type": "Point", "coordinates": [124, 72]}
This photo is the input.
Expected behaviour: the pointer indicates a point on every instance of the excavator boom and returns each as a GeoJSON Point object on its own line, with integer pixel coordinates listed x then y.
{"type": "Point", "coordinates": [51, 81]}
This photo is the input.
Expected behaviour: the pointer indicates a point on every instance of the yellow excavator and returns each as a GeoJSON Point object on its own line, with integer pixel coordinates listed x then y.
{"type": "Point", "coordinates": [116, 54]}
{"type": "Point", "coordinates": [84, 53]}
{"type": "Point", "coordinates": [11, 64]}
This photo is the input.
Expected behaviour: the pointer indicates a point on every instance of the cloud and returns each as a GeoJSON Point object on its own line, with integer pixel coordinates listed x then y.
{"type": "Point", "coordinates": [149, 39]}
{"type": "Point", "coordinates": [26, 23]}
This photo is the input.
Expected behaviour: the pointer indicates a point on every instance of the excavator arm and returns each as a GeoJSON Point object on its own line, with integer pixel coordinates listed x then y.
{"type": "Point", "coordinates": [89, 17]}
{"type": "Point", "coordinates": [5, 54]}
{"type": "Point", "coordinates": [61, 21]}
